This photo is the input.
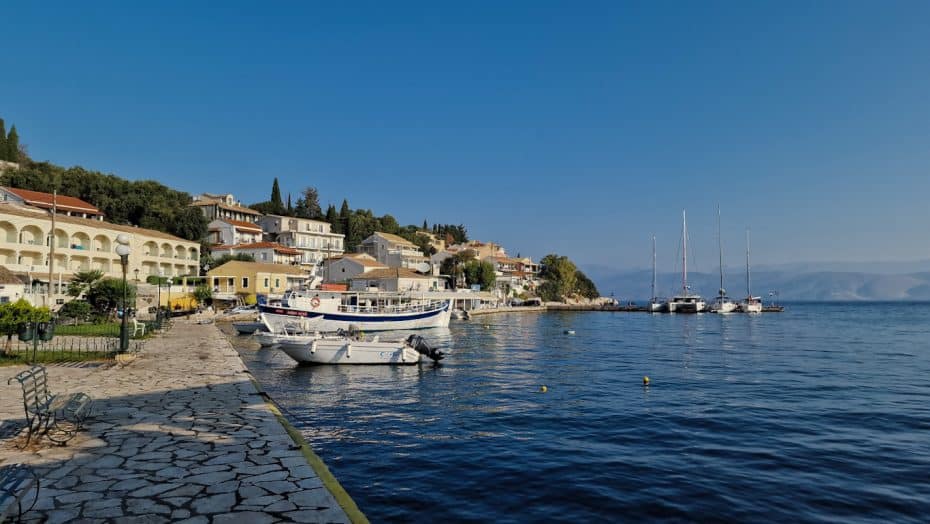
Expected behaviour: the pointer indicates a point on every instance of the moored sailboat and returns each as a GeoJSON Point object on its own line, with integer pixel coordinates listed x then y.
{"type": "Point", "coordinates": [750, 304]}
{"type": "Point", "coordinates": [686, 302]}
{"type": "Point", "coordinates": [722, 304]}
{"type": "Point", "coordinates": [655, 305]}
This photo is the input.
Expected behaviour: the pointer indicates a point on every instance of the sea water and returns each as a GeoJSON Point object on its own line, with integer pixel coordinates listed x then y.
{"type": "Point", "coordinates": [820, 413]}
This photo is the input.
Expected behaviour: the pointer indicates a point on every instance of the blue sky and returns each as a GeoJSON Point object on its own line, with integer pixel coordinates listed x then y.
{"type": "Point", "coordinates": [580, 128]}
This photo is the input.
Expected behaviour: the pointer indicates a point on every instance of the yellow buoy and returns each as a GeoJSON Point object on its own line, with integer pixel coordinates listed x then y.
{"type": "Point", "coordinates": [543, 389]}
{"type": "Point", "coordinates": [645, 381]}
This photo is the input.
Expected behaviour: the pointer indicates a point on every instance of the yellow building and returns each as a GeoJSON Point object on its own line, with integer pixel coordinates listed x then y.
{"type": "Point", "coordinates": [236, 279]}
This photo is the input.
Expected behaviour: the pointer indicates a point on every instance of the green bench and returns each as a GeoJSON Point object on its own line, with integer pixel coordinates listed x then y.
{"type": "Point", "coordinates": [59, 417]}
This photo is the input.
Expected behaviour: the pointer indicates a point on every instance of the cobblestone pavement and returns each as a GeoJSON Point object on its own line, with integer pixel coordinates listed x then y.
{"type": "Point", "coordinates": [179, 434]}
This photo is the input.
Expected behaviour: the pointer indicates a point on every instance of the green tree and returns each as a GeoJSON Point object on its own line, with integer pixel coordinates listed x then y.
{"type": "Point", "coordinates": [333, 218]}
{"type": "Point", "coordinates": [189, 223]}
{"type": "Point", "coordinates": [204, 294]}
{"type": "Point", "coordinates": [309, 204]}
{"type": "Point", "coordinates": [79, 310]}
{"type": "Point", "coordinates": [584, 286]}
{"type": "Point", "coordinates": [15, 314]}
{"type": "Point", "coordinates": [290, 208]}
{"type": "Point", "coordinates": [3, 140]}
{"type": "Point", "coordinates": [12, 145]}
{"type": "Point", "coordinates": [561, 276]}
{"type": "Point", "coordinates": [481, 273]}
{"type": "Point", "coordinates": [222, 259]}
{"type": "Point", "coordinates": [107, 294]}
{"type": "Point", "coordinates": [276, 197]}
{"type": "Point", "coordinates": [454, 266]}
{"type": "Point", "coordinates": [82, 281]}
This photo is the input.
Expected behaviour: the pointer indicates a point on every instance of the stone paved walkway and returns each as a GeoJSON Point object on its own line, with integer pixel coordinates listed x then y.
{"type": "Point", "coordinates": [180, 434]}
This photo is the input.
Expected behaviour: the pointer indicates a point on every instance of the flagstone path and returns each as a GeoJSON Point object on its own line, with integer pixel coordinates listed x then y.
{"type": "Point", "coordinates": [180, 434]}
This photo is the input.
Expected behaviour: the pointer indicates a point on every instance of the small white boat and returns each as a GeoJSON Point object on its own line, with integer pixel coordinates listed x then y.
{"type": "Point", "coordinates": [460, 314]}
{"type": "Point", "coordinates": [356, 350]}
{"type": "Point", "coordinates": [266, 339]}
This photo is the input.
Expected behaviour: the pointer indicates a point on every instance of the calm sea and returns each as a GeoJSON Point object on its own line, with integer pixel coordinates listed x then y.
{"type": "Point", "coordinates": [821, 413]}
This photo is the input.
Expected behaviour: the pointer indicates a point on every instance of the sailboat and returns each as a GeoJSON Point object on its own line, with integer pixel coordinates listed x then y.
{"type": "Point", "coordinates": [722, 304]}
{"type": "Point", "coordinates": [750, 304]}
{"type": "Point", "coordinates": [655, 305]}
{"type": "Point", "coordinates": [686, 302]}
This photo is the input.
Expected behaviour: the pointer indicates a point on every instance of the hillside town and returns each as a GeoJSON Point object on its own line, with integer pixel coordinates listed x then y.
{"type": "Point", "coordinates": [47, 239]}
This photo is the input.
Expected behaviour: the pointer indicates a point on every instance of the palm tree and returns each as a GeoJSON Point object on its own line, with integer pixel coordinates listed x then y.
{"type": "Point", "coordinates": [83, 281]}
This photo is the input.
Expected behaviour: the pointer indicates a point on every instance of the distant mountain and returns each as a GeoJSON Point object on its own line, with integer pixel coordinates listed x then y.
{"type": "Point", "coordinates": [790, 285]}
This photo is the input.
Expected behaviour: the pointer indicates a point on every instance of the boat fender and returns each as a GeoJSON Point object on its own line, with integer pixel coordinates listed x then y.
{"type": "Point", "coordinates": [313, 347]}
{"type": "Point", "coordinates": [348, 350]}
{"type": "Point", "coordinates": [315, 302]}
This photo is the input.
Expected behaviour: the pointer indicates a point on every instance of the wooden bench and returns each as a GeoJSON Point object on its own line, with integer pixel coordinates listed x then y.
{"type": "Point", "coordinates": [17, 481]}
{"type": "Point", "coordinates": [59, 417]}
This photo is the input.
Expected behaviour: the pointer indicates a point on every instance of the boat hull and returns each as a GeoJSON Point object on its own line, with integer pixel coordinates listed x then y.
{"type": "Point", "coordinates": [750, 308]}
{"type": "Point", "coordinates": [248, 328]}
{"type": "Point", "coordinates": [686, 305]}
{"type": "Point", "coordinates": [724, 307]}
{"type": "Point", "coordinates": [347, 351]}
{"type": "Point", "coordinates": [279, 319]}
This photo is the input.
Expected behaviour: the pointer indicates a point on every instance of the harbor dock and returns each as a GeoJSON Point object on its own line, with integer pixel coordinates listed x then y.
{"type": "Point", "coordinates": [180, 433]}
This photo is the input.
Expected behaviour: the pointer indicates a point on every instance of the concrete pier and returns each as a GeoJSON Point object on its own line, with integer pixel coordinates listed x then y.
{"type": "Point", "coordinates": [181, 433]}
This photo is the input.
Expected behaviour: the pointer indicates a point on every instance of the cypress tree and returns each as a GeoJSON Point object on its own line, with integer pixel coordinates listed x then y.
{"type": "Point", "coordinates": [333, 219]}
{"type": "Point", "coordinates": [3, 150]}
{"type": "Point", "coordinates": [276, 197]}
{"type": "Point", "coordinates": [12, 145]}
{"type": "Point", "coordinates": [290, 209]}
{"type": "Point", "coordinates": [425, 227]}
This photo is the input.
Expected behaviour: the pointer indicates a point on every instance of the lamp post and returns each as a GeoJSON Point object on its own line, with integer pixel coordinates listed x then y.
{"type": "Point", "coordinates": [170, 281]}
{"type": "Point", "coordinates": [158, 304]}
{"type": "Point", "coordinates": [123, 251]}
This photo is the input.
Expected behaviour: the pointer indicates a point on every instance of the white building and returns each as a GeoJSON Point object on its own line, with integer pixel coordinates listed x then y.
{"type": "Point", "coordinates": [313, 238]}
{"type": "Point", "coordinates": [231, 232]}
{"type": "Point", "coordinates": [346, 267]}
{"type": "Point", "coordinates": [82, 244]}
{"type": "Point", "coordinates": [515, 274]}
{"type": "Point", "coordinates": [224, 207]}
{"type": "Point", "coordinates": [264, 252]}
{"type": "Point", "coordinates": [12, 287]}
{"type": "Point", "coordinates": [63, 205]}
{"type": "Point", "coordinates": [393, 251]}
{"type": "Point", "coordinates": [394, 280]}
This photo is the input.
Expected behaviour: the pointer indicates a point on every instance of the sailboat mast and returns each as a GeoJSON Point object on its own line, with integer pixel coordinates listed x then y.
{"type": "Point", "coordinates": [653, 267]}
{"type": "Point", "coordinates": [684, 252]}
{"type": "Point", "coordinates": [720, 247]}
{"type": "Point", "coordinates": [748, 288]}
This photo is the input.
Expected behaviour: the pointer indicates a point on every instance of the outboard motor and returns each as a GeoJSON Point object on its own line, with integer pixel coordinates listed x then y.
{"type": "Point", "coordinates": [418, 343]}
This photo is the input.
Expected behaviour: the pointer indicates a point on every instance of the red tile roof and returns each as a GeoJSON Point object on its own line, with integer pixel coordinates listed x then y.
{"type": "Point", "coordinates": [48, 200]}
{"type": "Point", "coordinates": [222, 205]}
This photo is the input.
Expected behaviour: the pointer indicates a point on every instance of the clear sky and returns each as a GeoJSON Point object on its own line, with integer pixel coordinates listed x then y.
{"type": "Point", "coordinates": [580, 128]}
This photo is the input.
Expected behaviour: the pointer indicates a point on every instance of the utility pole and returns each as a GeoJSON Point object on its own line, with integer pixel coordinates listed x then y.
{"type": "Point", "coordinates": [51, 247]}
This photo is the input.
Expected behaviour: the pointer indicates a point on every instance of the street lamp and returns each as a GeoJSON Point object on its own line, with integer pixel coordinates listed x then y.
{"type": "Point", "coordinates": [123, 251]}
{"type": "Point", "coordinates": [170, 281]}
{"type": "Point", "coordinates": [161, 273]}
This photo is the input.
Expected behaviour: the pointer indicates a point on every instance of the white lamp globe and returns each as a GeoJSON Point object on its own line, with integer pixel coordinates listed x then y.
{"type": "Point", "coordinates": [122, 250]}
{"type": "Point", "coordinates": [122, 238]}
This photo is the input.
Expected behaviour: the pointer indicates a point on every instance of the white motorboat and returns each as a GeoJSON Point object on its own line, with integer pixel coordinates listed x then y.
{"type": "Point", "coordinates": [330, 311]}
{"type": "Point", "coordinates": [266, 339]}
{"type": "Point", "coordinates": [722, 304]}
{"type": "Point", "coordinates": [750, 304]}
{"type": "Point", "coordinates": [348, 349]}
{"type": "Point", "coordinates": [460, 314]}
{"type": "Point", "coordinates": [686, 302]}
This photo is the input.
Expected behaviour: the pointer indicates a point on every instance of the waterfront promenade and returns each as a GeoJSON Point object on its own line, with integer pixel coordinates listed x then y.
{"type": "Point", "coordinates": [179, 434]}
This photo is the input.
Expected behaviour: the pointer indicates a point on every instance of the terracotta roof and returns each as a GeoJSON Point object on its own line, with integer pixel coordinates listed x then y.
{"type": "Point", "coordinates": [391, 272]}
{"type": "Point", "coordinates": [6, 209]}
{"type": "Point", "coordinates": [259, 245]}
{"type": "Point", "coordinates": [222, 205]}
{"type": "Point", "coordinates": [48, 200]}
{"type": "Point", "coordinates": [395, 239]}
{"type": "Point", "coordinates": [257, 267]}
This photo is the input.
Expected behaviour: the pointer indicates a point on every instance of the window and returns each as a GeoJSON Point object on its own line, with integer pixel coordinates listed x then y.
{"type": "Point", "coordinates": [266, 282]}
{"type": "Point", "coordinates": [245, 282]}
{"type": "Point", "coordinates": [265, 257]}
{"type": "Point", "coordinates": [277, 282]}
{"type": "Point", "coordinates": [230, 282]}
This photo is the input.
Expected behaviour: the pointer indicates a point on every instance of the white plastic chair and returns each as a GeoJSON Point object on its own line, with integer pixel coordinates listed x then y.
{"type": "Point", "coordinates": [137, 327]}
